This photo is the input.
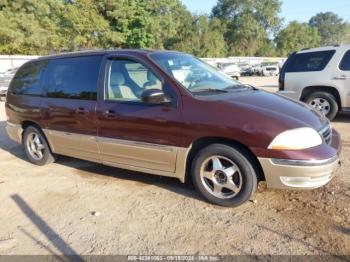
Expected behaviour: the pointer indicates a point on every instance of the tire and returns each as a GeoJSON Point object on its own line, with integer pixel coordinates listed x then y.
{"type": "Point", "coordinates": [46, 157]}
{"type": "Point", "coordinates": [323, 102]}
{"type": "Point", "coordinates": [233, 160]}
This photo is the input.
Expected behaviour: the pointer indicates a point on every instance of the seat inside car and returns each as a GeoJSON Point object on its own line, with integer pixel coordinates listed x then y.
{"type": "Point", "coordinates": [153, 82]}
{"type": "Point", "coordinates": [118, 88]}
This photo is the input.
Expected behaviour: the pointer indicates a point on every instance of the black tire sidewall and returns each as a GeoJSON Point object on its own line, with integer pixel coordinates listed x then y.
{"type": "Point", "coordinates": [48, 156]}
{"type": "Point", "coordinates": [240, 159]}
{"type": "Point", "coordinates": [331, 100]}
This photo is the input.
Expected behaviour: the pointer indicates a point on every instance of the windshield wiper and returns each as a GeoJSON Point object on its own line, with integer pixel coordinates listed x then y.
{"type": "Point", "coordinates": [240, 87]}
{"type": "Point", "coordinates": [209, 90]}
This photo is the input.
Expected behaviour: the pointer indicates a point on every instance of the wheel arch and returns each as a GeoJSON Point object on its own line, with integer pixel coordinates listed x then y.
{"type": "Point", "coordinates": [329, 89]}
{"type": "Point", "coordinates": [203, 142]}
{"type": "Point", "coordinates": [28, 123]}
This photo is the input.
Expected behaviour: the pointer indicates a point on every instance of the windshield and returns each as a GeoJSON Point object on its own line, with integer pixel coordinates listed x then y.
{"type": "Point", "coordinates": [195, 75]}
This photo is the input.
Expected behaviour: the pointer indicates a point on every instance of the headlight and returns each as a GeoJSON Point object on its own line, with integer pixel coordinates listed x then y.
{"type": "Point", "coordinates": [296, 139]}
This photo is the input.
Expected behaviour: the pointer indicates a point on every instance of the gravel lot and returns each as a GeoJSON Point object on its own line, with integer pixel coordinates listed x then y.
{"type": "Point", "coordinates": [77, 207]}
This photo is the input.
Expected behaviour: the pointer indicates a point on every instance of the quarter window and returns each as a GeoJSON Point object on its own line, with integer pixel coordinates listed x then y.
{"type": "Point", "coordinates": [127, 80]}
{"type": "Point", "coordinates": [74, 78]}
{"type": "Point", "coordinates": [345, 63]}
{"type": "Point", "coordinates": [309, 62]}
{"type": "Point", "coordinates": [28, 79]}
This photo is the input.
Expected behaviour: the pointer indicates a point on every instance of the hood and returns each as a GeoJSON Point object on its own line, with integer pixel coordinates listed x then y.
{"type": "Point", "coordinates": [271, 108]}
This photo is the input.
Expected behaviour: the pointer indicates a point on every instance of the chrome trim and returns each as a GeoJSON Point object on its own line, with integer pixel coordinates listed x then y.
{"type": "Point", "coordinates": [135, 143]}
{"type": "Point", "coordinates": [290, 162]}
{"type": "Point", "coordinates": [327, 138]}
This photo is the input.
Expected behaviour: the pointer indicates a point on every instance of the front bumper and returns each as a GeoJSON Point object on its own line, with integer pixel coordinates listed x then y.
{"type": "Point", "coordinates": [309, 173]}
{"type": "Point", "coordinates": [298, 174]}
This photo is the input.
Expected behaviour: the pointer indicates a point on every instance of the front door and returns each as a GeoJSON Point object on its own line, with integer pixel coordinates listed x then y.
{"type": "Point", "coordinates": [132, 134]}
{"type": "Point", "coordinates": [71, 88]}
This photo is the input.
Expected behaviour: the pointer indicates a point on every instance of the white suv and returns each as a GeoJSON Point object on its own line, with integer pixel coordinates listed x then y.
{"type": "Point", "coordinates": [319, 77]}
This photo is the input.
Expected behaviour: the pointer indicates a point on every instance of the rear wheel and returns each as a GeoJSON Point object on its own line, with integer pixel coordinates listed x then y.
{"type": "Point", "coordinates": [36, 147]}
{"type": "Point", "coordinates": [224, 175]}
{"type": "Point", "coordinates": [323, 102]}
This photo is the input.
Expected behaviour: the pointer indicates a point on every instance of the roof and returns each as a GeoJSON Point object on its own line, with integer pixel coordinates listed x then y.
{"type": "Point", "coordinates": [325, 48]}
{"type": "Point", "coordinates": [104, 52]}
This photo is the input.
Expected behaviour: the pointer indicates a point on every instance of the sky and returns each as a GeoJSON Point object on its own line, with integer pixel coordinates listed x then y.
{"type": "Point", "coordinates": [300, 10]}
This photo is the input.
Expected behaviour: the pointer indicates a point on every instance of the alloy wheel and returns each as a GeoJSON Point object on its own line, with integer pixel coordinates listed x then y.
{"type": "Point", "coordinates": [221, 177]}
{"type": "Point", "coordinates": [35, 146]}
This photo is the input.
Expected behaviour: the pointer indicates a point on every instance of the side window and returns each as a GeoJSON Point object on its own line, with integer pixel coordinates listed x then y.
{"type": "Point", "coordinates": [126, 80]}
{"type": "Point", "coordinates": [28, 79]}
{"type": "Point", "coordinates": [345, 62]}
{"type": "Point", "coordinates": [74, 78]}
{"type": "Point", "coordinates": [310, 62]}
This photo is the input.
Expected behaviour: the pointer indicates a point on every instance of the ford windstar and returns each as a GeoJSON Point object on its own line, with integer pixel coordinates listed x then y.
{"type": "Point", "coordinates": [170, 114]}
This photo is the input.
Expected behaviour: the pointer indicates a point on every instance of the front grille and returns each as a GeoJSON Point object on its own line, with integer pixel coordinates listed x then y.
{"type": "Point", "coordinates": [326, 133]}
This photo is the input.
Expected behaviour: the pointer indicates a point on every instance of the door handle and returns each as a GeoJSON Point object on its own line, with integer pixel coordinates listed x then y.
{"type": "Point", "coordinates": [343, 77]}
{"type": "Point", "coordinates": [110, 114]}
{"type": "Point", "coordinates": [81, 111]}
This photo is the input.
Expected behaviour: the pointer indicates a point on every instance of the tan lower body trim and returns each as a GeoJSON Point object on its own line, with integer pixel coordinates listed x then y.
{"type": "Point", "coordinates": [14, 131]}
{"type": "Point", "coordinates": [132, 155]}
{"type": "Point", "coordinates": [74, 145]}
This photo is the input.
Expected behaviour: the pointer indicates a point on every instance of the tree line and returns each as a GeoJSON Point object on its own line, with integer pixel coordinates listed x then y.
{"type": "Point", "coordinates": [234, 27]}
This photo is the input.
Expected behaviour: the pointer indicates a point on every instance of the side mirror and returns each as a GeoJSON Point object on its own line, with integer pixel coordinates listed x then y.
{"type": "Point", "coordinates": [153, 96]}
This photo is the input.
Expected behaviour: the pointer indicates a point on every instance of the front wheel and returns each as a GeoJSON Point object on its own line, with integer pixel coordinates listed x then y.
{"type": "Point", "coordinates": [323, 102]}
{"type": "Point", "coordinates": [224, 175]}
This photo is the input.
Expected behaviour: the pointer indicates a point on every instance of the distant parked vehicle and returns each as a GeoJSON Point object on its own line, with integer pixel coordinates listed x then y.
{"type": "Point", "coordinates": [319, 77]}
{"type": "Point", "coordinates": [9, 73]}
{"type": "Point", "coordinates": [247, 71]}
{"type": "Point", "coordinates": [3, 92]}
{"type": "Point", "coordinates": [230, 69]}
{"type": "Point", "coordinates": [271, 70]}
{"type": "Point", "coordinates": [5, 79]}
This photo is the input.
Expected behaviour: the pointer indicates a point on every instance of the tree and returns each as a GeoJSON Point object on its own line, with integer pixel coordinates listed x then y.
{"type": "Point", "coordinates": [82, 26]}
{"type": "Point", "coordinates": [347, 36]}
{"type": "Point", "coordinates": [200, 36]}
{"type": "Point", "coordinates": [331, 28]}
{"type": "Point", "coordinates": [249, 23]}
{"type": "Point", "coordinates": [295, 37]}
{"type": "Point", "coordinates": [211, 37]}
{"type": "Point", "coordinates": [29, 26]}
{"type": "Point", "coordinates": [144, 24]}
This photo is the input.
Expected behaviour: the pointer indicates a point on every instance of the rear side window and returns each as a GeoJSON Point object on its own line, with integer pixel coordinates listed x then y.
{"type": "Point", "coordinates": [74, 78]}
{"type": "Point", "coordinates": [309, 62]}
{"type": "Point", "coordinates": [29, 79]}
{"type": "Point", "coordinates": [345, 62]}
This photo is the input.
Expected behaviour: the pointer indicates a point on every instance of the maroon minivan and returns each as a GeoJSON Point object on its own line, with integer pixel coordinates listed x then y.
{"type": "Point", "coordinates": [168, 113]}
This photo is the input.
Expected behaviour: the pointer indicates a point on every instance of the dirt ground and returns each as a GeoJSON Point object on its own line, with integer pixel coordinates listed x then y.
{"type": "Point", "coordinates": [77, 207]}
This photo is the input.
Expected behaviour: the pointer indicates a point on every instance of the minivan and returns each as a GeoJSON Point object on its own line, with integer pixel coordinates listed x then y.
{"type": "Point", "coordinates": [168, 113]}
{"type": "Point", "coordinates": [320, 77]}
